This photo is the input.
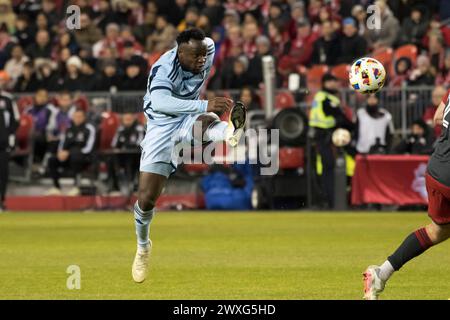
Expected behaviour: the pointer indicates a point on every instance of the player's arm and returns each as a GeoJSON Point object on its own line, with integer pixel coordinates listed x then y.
{"type": "Point", "coordinates": [164, 102]}
{"type": "Point", "coordinates": [439, 115]}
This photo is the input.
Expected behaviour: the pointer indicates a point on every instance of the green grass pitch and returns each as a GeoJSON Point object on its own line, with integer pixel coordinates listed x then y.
{"type": "Point", "coordinates": [209, 255]}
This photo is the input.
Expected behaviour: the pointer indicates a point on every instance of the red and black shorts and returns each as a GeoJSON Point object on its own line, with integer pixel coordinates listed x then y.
{"type": "Point", "coordinates": [438, 200]}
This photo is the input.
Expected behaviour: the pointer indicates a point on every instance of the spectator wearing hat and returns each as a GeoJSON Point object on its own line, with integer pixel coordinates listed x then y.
{"type": "Point", "coordinates": [74, 79]}
{"type": "Point", "coordinates": [418, 142]}
{"type": "Point", "coordinates": [402, 70]}
{"type": "Point", "coordinates": [414, 28]}
{"type": "Point", "coordinates": [14, 66]}
{"type": "Point", "coordinates": [9, 122]}
{"type": "Point", "coordinates": [326, 49]}
{"type": "Point", "coordinates": [353, 45]}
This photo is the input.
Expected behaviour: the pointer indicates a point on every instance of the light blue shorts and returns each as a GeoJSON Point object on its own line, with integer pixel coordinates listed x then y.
{"type": "Point", "coordinates": [160, 143]}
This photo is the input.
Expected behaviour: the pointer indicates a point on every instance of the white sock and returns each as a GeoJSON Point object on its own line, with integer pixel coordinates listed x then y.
{"type": "Point", "coordinates": [142, 221]}
{"type": "Point", "coordinates": [386, 270]}
{"type": "Point", "coordinates": [216, 131]}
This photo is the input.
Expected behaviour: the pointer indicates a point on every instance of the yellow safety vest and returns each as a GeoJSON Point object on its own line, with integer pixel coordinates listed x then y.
{"type": "Point", "coordinates": [317, 117]}
{"type": "Point", "coordinates": [350, 164]}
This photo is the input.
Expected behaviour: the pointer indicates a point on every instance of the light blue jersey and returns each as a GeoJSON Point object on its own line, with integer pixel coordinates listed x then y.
{"type": "Point", "coordinates": [173, 92]}
{"type": "Point", "coordinates": [171, 106]}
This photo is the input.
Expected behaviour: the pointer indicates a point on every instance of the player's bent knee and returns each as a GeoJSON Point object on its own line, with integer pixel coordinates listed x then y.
{"type": "Point", "coordinates": [146, 201]}
{"type": "Point", "coordinates": [438, 233]}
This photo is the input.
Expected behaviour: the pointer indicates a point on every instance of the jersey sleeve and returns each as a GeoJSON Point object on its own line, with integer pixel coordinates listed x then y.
{"type": "Point", "coordinates": [160, 87]}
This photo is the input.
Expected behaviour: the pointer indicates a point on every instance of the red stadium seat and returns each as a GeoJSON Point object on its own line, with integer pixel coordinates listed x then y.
{"type": "Point", "coordinates": [385, 57]}
{"type": "Point", "coordinates": [314, 76]}
{"type": "Point", "coordinates": [291, 158]}
{"type": "Point", "coordinates": [341, 72]}
{"type": "Point", "coordinates": [284, 100]}
{"type": "Point", "coordinates": [108, 127]}
{"type": "Point", "coordinates": [408, 51]}
{"type": "Point", "coordinates": [24, 102]}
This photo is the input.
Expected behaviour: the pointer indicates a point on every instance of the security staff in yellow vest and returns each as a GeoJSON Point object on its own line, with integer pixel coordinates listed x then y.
{"type": "Point", "coordinates": [325, 116]}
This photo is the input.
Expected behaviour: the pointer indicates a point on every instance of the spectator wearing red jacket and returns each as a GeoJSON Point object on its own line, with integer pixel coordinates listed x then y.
{"type": "Point", "coordinates": [301, 48]}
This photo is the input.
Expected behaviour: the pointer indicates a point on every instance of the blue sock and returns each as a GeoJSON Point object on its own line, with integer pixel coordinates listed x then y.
{"type": "Point", "coordinates": [142, 221]}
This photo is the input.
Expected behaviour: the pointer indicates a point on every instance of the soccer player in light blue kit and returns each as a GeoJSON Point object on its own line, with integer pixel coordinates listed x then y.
{"type": "Point", "coordinates": [172, 108]}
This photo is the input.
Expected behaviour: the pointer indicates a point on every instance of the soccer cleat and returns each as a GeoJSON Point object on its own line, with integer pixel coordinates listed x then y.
{"type": "Point", "coordinates": [236, 124]}
{"type": "Point", "coordinates": [139, 270]}
{"type": "Point", "coordinates": [373, 285]}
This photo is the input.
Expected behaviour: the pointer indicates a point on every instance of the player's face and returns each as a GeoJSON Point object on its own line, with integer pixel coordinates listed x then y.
{"type": "Point", "coordinates": [78, 118]}
{"type": "Point", "coordinates": [192, 55]}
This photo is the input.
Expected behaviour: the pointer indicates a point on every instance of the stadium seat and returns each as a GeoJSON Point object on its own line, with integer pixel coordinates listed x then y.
{"type": "Point", "coordinates": [24, 147]}
{"type": "Point", "coordinates": [108, 127]}
{"type": "Point", "coordinates": [385, 57]}
{"type": "Point", "coordinates": [408, 51]}
{"type": "Point", "coordinates": [284, 100]}
{"type": "Point", "coordinates": [341, 72]}
{"type": "Point", "coordinates": [24, 102]}
{"type": "Point", "coordinates": [291, 158]}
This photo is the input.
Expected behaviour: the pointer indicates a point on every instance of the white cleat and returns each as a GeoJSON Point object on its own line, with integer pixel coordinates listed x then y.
{"type": "Point", "coordinates": [236, 124]}
{"type": "Point", "coordinates": [139, 270]}
{"type": "Point", "coordinates": [373, 285]}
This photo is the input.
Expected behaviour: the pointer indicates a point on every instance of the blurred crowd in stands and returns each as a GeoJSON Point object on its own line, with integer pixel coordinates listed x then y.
{"type": "Point", "coordinates": [119, 40]}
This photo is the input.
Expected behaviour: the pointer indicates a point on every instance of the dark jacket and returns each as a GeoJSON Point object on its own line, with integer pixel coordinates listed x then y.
{"type": "Point", "coordinates": [9, 120]}
{"type": "Point", "coordinates": [352, 48]}
{"type": "Point", "coordinates": [129, 138]}
{"type": "Point", "coordinates": [79, 139]}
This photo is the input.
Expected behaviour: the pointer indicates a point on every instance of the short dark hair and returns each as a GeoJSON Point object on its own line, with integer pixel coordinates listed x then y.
{"type": "Point", "coordinates": [187, 35]}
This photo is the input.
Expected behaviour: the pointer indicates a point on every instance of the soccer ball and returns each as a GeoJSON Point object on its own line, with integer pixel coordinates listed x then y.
{"type": "Point", "coordinates": [367, 75]}
{"type": "Point", "coordinates": [341, 137]}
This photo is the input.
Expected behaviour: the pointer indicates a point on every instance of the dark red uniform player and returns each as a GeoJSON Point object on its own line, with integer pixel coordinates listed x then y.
{"type": "Point", "coordinates": [438, 188]}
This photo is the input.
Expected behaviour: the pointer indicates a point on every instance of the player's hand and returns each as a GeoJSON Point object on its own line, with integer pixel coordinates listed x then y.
{"type": "Point", "coordinates": [63, 155]}
{"type": "Point", "coordinates": [219, 105]}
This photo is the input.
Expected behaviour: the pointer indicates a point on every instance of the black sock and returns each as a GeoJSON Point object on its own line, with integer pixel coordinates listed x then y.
{"type": "Point", "coordinates": [415, 244]}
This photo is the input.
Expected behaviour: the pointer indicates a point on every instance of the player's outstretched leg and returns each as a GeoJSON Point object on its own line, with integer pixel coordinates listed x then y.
{"type": "Point", "coordinates": [150, 187]}
{"type": "Point", "coordinates": [236, 124]}
{"type": "Point", "coordinates": [375, 277]}
{"type": "Point", "coordinates": [231, 132]}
